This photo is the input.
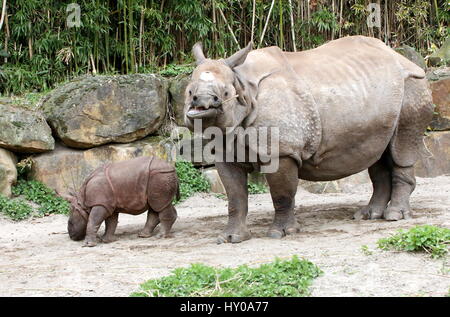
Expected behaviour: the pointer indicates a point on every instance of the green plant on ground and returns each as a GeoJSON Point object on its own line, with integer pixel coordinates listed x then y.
{"type": "Point", "coordinates": [17, 209]}
{"type": "Point", "coordinates": [255, 188]}
{"type": "Point", "coordinates": [173, 70]}
{"type": "Point", "coordinates": [191, 180]}
{"type": "Point", "coordinates": [279, 278]}
{"type": "Point", "coordinates": [431, 239]}
{"type": "Point", "coordinates": [221, 196]}
{"type": "Point", "coordinates": [365, 250]}
{"type": "Point", "coordinates": [40, 194]}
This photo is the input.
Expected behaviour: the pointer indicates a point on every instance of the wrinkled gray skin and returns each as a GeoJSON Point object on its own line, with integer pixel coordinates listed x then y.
{"type": "Point", "coordinates": [349, 105]}
{"type": "Point", "coordinates": [133, 187]}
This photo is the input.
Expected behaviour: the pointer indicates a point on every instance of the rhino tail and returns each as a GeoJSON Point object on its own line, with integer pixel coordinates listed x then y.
{"type": "Point", "coordinates": [409, 68]}
{"type": "Point", "coordinates": [178, 195]}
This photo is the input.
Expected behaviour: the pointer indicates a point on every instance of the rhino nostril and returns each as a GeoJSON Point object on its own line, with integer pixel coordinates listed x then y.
{"type": "Point", "coordinates": [194, 98]}
{"type": "Point", "coordinates": [216, 98]}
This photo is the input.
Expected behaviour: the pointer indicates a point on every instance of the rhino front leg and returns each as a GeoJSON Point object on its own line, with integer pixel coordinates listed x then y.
{"type": "Point", "coordinates": [167, 218]}
{"type": "Point", "coordinates": [234, 179]}
{"type": "Point", "coordinates": [111, 225]}
{"type": "Point", "coordinates": [150, 225]}
{"type": "Point", "coordinates": [283, 187]}
{"type": "Point", "coordinates": [97, 215]}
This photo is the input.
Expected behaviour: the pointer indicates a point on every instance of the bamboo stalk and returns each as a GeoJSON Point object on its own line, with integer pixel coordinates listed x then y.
{"type": "Point", "coordinates": [229, 28]}
{"type": "Point", "coordinates": [125, 36]}
{"type": "Point", "coordinates": [141, 31]}
{"type": "Point", "coordinates": [267, 22]}
{"type": "Point", "coordinates": [253, 19]}
{"type": "Point", "coordinates": [280, 25]}
{"type": "Point", "coordinates": [2, 18]}
{"type": "Point", "coordinates": [292, 26]}
{"type": "Point", "coordinates": [341, 20]}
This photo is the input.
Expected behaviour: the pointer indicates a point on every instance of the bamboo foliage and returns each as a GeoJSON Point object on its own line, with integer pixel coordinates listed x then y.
{"type": "Point", "coordinates": [38, 49]}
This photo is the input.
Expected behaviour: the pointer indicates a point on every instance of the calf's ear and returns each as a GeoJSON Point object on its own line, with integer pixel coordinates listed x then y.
{"type": "Point", "coordinates": [239, 57]}
{"type": "Point", "coordinates": [69, 197]}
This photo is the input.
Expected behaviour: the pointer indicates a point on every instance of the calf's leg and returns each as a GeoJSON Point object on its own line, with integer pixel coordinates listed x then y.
{"type": "Point", "coordinates": [150, 225]}
{"type": "Point", "coordinates": [111, 225]}
{"type": "Point", "coordinates": [97, 215]}
{"type": "Point", "coordinates": [167, 218]}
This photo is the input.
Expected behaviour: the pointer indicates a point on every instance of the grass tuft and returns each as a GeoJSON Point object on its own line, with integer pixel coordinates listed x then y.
{"type": "Point", "coordinates": [431, 239]}
{"type": "Point", "coordinates": [191, 180]}
{"type": "Point", "coordinates": [279, 278]}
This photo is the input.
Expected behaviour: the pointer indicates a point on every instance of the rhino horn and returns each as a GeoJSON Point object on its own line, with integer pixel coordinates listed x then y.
{"type": "Point", "coordinates": [197, 50]}
{"type": "Point", "coordinates": [239, 57]}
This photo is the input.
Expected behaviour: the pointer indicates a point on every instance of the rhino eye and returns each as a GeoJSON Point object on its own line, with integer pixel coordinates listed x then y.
{"type": "Point", "coordinates": [190, 92]}
{"type": "Point", "coordinates": [226, 93]}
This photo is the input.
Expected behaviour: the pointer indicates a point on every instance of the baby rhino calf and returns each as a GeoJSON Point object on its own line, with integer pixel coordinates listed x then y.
{"type": "Point", "coordinates": [131, 187]}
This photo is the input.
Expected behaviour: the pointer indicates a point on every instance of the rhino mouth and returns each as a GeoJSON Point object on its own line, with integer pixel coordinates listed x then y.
{"type": "Point", "coordinates": [201, 112]}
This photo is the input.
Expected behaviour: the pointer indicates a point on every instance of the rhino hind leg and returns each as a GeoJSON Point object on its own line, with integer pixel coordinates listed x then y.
{"type": "Point", "coordinates": [167, 218]}
{"type": "Point", "coordinates": [380, 175]}
{"type": "Point", "coordinates": [283, 187]}
{"type": "Point", "coordinates": [406, 144]}
{"type": "Point", "coordinates": [150, 224]}
{"type": "Point", "coordinates": [403, 184]}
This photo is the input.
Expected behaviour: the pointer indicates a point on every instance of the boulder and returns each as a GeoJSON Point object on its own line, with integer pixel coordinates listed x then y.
{"type": "Point", "coordinates": [65, 169]}
{"type": "Point", "coordinates": [441, 56]}
{"type": "Point", "coordinates": [441, 98]}
{"type": "Point", "coordinates": [8, 172]}
{"type": "Point", "coordinates": [438, 73]}
{"type": "Point", "coordinates": [411, 54]}
{"type": "Point", "coordinates": [435, 159]}
{"type": "Point", "coordinates": [95, 110]}
{"type": "Point", "coordinates": [177, 87]}
{"type": "Point", "coordinates": [23, 130]}
{"type": "Point", "coordinates": [213, 178]}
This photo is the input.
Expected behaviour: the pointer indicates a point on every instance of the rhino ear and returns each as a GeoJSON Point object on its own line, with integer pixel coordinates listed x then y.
{"type": "Point", "coordinates": [239, 57]}
{"type": "Point", "coordinates": [69, 197]}
{"type": "Point", "coordinates": [197, 50]}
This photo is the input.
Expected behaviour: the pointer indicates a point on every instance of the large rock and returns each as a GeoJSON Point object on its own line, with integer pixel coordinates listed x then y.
{"type": "Point", "coordinates": [213, 178]}
{"type": "Point", "coordinates": [441, 56]}
{"type": "Point", "coordinates": [177, 88]}
{"type": "Point", "coordinates": [92, 111]}
{"type": "Point", "coordinates": [23, 130]}
{"type": "Point", "coordinates": [411, 54]}
{"type": "Point", "coordinates": [65, 169]}
{"type": "Point", "coordinates": [437, 73]}
{"type": "Point", "coordinates": [441, 98]}
{"type": "Point", "coordinates": [8, 172]}
{"type": "Point", "coordinates": [435, 159]}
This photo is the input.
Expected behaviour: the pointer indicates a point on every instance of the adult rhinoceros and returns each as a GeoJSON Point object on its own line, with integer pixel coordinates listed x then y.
{"type": "Point", "coordinates": [343, 107]}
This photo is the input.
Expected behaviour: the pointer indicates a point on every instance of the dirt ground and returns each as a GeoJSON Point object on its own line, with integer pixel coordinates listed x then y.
{"type": "Point", "coordinates": [37, 258]}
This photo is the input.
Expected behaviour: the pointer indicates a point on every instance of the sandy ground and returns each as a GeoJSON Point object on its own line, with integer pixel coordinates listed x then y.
{"type": "Point", "coordinates": [37, 258]}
